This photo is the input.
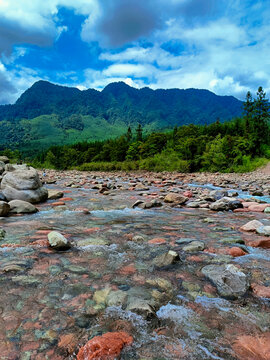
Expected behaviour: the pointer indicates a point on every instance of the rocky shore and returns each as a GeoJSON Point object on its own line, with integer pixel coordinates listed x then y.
{"type": "Point", "coordinates": [134, 265]}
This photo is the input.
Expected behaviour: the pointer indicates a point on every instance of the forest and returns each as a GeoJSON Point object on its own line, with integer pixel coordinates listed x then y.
{"type": "Point", "coordinates": [239, 145]}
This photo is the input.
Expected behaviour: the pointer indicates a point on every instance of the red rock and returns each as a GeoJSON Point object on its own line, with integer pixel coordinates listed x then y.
{"type": "Point", "coordinates": [90, 230]}
{"type": "Point", "coordinates": [258, 208]}
{"type": "Point", "coordinates": [261, 291]}
{"type": "Point", "coordinates": [236, 251]}
{"type": "Point", "coordinates": [247, 204]}
{"type": "Point", "coordinates": [105, 347]}
{"type": "Point", "coordinates": [157, 241]}
{"type": "Point", "coordinates": [128, 270]}
{"type": "Point", "coordinates": [262, 243]}
{"type": "Point", "coordinates": [58, 203]}
{"type": "Point", "coordinates": [253, 347]}
{"type": "Point", "coordinates": [241, 210]}
{"type": "Point", "coordinates": [188, 194]}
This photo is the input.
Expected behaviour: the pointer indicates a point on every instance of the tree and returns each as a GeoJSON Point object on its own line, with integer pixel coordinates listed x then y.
{"type": "Point", "coordinates": [129, 134]}
{"type": "Point", "coordinates": [139, 132]}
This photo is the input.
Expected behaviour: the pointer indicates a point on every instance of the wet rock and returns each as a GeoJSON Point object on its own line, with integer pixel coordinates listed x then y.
{"type": "Point", "coordinates": [137, 203]}
{"type": "Point", "coordinates": [138, 238]}
{"type": "Point", "coordinates": [141, 307]}
{"type": "Point", "coordinates": [261, 291]}
{"type": "Point", "coordinates": [116, 298]}
{"type": "Point", "coordinates": [248, 347]}
{"type": "Point", "coordinates": [193, 204]}
{"type": "Point", "coordinates": [218, 194]}
{"type": "Point", "coordinates": [55, 194]}
{"type": "Point", "coordinates": [236, 251]}
{"type": "Point", "coordinates": [258, 207]}
{"type": "Point", "coordinates": [194, 246]}
{"type": "Point", "coordinates": [166, 259]}
{"type": "Point", "coordinates": [23, 183]}
{"type": "Point", "coordinates": [57, 241]}
{"type": "Point", "coordinates": [229, 280]}
{"type": "Point", "coordinates": [267, 210]}
{"type": "Point", "coordinates": [261, 243]}
{"type": "Point", "coordinates": [141, 187]}
{"type": "Point", "coordinates": [22, 207]}
{"type": "Point", "coordinates": [2, 196]}
{"type": "Point", "coordinates": [263, 230]}
{"type": "Point", "coordinates": [4, 208]}
{"type": "Point", "coordinates": [175, 198]}
{"type": "Point", "coordinates": [251, 225]}
{"type": "Point", "coordinates": [108, 346]}
{"type": "Point", "coordinates": [225, 204]}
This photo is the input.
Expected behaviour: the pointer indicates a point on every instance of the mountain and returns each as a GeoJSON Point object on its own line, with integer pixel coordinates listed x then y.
{"type": "Point", "coordinates": [48, 114]}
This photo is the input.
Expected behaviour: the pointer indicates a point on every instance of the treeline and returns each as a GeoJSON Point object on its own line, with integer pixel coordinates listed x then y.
{"type": "Point", "coordinates": [239, 145]}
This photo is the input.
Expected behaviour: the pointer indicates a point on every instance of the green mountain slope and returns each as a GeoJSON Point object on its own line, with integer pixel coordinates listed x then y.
{"type": "Point", "coordinates": [48, 114]}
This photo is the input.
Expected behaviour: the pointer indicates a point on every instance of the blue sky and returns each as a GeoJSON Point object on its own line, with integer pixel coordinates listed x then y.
{"type": "Point", "coordinates": [220, 45]}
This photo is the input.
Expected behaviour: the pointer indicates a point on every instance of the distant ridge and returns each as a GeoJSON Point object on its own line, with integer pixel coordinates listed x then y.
{"type": "Point", "coordinates": [47, 114]}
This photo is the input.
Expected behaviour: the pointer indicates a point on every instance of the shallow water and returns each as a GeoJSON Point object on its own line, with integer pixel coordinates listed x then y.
{"type": "Point", "coordinates": [52, 294]}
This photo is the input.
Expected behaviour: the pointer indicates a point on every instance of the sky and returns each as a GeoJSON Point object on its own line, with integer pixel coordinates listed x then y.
{"type": "Point", "coordinates": [219, 45]}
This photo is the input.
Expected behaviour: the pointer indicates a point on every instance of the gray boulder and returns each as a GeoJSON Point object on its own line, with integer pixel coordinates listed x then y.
{"type": "Point", "coordinates": [2, 167]}
{"type": "Point", "coordinates": [22, 207]}
{"type": "Point", "coordinates": [218, 194]}
{"type": "Point", "coordinates": [175, 198]}
{"type": "Point", "coordinates": [166, 259]}
{"type": "Point", "coordinates": [4, 208]}
{"type": "Point", "coordinates": [57, 241]}
{"type": "Point", "coordinates": [23, 183]}
{"type": "Point", "coordinates": [4, 159]}
{"type": "Point", "coordinates": [225, 204]}
{"type": "Point", "coordinates": [230, 281]}
{"type": "Point", "coordinates": [194, 246]}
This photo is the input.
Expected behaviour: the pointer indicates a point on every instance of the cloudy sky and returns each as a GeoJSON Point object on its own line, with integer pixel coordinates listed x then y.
{"type": "Point", "coordinates": [220, 45]}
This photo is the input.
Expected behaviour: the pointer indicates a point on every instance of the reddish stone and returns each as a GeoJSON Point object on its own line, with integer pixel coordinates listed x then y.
{"type": "Point", "coordinates": [91, 230]}
{"type": "Point", "coordinates": [68, 342]}
{"type": "Point", "coordinates": [43, 232]}
{"type": "Point", "coordinates": [128, 270]}
{"type": "Point", "coordinates": [157, 241]}
{"type": "Point", "coordinates": [58, 203]}
{"type": "Point", "coordinates": [67, 199]}
{"type": "Point", "coordinates": [253, 347]}
{"type": "Point", "coordinates": [66, 191]}
{"type": "Point", "coordinates": [262, 243]}
{"type": "Point", "coordinates": [241, 210]}
{"type": "Point", "coordinates": [188, 194]}
{"type": "Point", "coordinates": [261, 291]}
{"type": "Point", "coordinates": [236, 251]}
{"type": "Point", "coordinates": [259, 207]}
{"type": "Point", "coordinates": [105, 347]}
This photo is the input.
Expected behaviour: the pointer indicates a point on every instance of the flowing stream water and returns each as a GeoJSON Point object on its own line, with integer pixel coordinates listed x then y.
{"type": "Point", "coordinates": [47, 296]}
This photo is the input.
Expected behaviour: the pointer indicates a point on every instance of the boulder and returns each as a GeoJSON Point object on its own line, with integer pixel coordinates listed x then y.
{"type": "Point", "coordinates": [2, 167]}
{"type": "Point", "coordinates": [4, 159]}
{"type": "Point", "coordinates": [23, 183]}
{"type": "Point", "coordinates": [252, 347]}
{"type": "Point", "coordinates": [57, 241]}
{"type": "Point", "coordinates": [263, 230]}
{"type": "Point", "coordinates": [141, 307]}
{"type": "Point", "coordinates": [2, 197]}
{"type": "Point", "coordinates": [4, 208]}
{"type": "Point", "coordinates": [22, 207]}
{"type": "Point", "coordinates": [230, 281]}
{"type": "Point", "coordinates": [218, 194]}
{"type": "Point", "coordinates": [226, 204]}
{"type": "Point", "coordinates": [175, 198]}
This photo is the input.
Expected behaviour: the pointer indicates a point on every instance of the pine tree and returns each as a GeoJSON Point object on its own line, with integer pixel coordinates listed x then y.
{"type": "Point", "coordinates": [139, 132]}
{"type": "Point", "coordinates": [129, 134]}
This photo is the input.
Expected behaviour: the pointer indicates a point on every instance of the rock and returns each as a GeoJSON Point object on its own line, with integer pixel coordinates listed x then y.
{"type": "Point", "coordinates": [116, 298]}
{"type": "Point", "coordinates": [218, 194]}
{"type": "Point", "coordinates": [263, 230]}
{"type": "Point", "coordinates": [251, 225]}
{"type": "Point", "coordinates": [236, 251]}
{"type": "Point", "coordinates": [138, 238]}
{"type": "Point", "coordinates": [261, 291]}
{"type": "Point", "coordinates": [226, 204]}
{"type": "Point", "coordinates": [261, 243]}
{"type": "Point", "coordinates": [55, 194]}
{"type": "Point", "coordinates": [248, 347]}
{"type": "Point", "coordinates": [2, 167]}
{"type": "Point", "coordinates": [175, 198]}
{"type": "Point", "coordinates": [4, 159]}
{"type": "Point", "coordinates": [57, 241]}
{"type": "Point", "coordinates": [93, 242]}
{"type": "Point", "coordinates": [2, 234]}
{"type": "Point", "coordinates": [100, 296]}
{"type": "Point", "coordinates": [166, 259]}
{"type": "Point", "coordinates": [258, 207]}
{"type": "Point", "coordinates": [23, 183]}
{"type": "Point", "coordinates": [267, 210]}
{"type": "Point", "coordinates": [193, 204]}
{"type": "Point", "coordinates": [141, 307]}
{"type": "Point", "coordinates": [194, 246]}
{"type": "Point", "coordinates": [108, 346]}
{"type": "Point", "coordinates": [141, 187]}
{"type": "Point", "coordinates": [4, 208]}
{"type": "Point", "coordinates": [22, 207]}
{"type": "Point", "coordinates": [137, 203]}
{"type": "Point", "coordinates": [229, 280]}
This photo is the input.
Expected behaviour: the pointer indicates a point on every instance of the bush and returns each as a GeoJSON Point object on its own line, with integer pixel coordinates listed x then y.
{"type": "Point", "coordinates": [166, 161]}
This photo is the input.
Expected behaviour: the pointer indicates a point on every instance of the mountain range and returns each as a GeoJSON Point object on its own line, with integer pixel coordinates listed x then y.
{"type": "Point", "coordinates": [47, 114]}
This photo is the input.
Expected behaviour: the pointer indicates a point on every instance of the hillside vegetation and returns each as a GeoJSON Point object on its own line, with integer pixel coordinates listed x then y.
{"type": "Point", "coordinates": [48, 114]}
